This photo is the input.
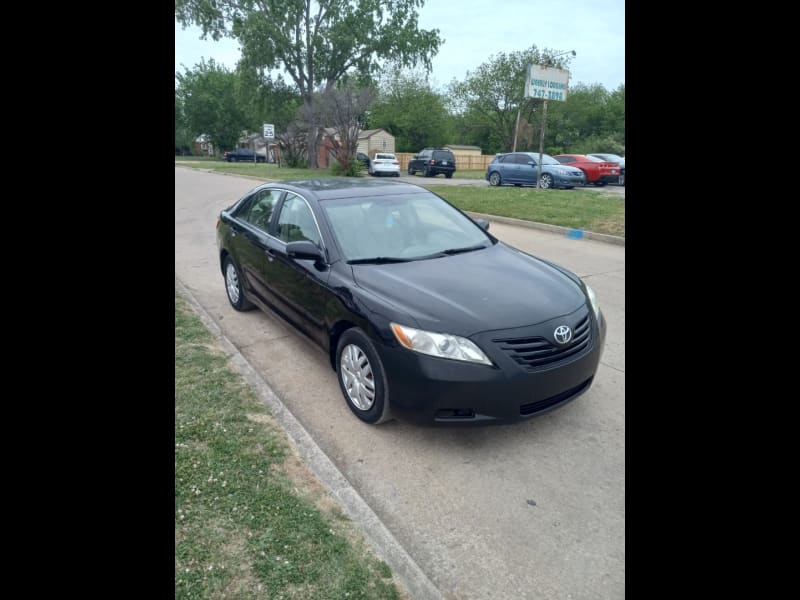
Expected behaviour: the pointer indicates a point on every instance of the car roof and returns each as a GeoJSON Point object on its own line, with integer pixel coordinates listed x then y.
{"type": "Point", "coordinates": [328, 188]}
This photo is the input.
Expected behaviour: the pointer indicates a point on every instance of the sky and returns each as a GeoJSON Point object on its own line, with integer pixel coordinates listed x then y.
{"type": "Point", "coordinates": [474, 30]}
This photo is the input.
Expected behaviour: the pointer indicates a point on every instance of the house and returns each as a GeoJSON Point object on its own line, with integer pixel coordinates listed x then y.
{"type": "Point", "coordinates": [371, 141]}
{"type": "Point", "coordinates": [202, 147]}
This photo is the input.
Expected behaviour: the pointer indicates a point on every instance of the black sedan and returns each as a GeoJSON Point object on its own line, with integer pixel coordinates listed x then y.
{"type": "Point", "coordinates": [423, 313]}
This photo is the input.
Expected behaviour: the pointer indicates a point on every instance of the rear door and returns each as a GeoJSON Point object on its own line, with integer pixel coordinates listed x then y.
{"type": "Point", "coordinates": [249, 240]}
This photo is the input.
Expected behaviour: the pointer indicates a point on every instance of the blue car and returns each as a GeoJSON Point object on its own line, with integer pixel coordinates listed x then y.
{"type": "Point", "coordinates": [520, 168]}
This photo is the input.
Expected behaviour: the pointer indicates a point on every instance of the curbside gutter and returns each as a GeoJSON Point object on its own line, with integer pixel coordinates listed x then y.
{"type": "Point", "coordinates": [406, 571]}
{"type": "Point", "coordinates": [566, 231]}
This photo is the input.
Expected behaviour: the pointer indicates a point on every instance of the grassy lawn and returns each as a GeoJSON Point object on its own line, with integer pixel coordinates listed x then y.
{"type": "Point", "coordinates": [591, 210]}
{"type": "Point", "coordinates": [250, 520]}
{"type": "Point", "coordinates": [596, 211]}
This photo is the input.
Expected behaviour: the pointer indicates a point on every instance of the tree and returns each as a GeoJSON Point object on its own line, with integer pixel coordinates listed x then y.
{"type": "Point", "coordinates": [412, 112]}
{"type": "Point", "coordinates": [344, 108]}
{"type": "Point", "coordinates": [208, 97]}
{"type": "Point", "coordinates": [590, 120]}
{"type": "Point", "coordinates": [495, 91]}
{"type": "Point", "coordinates": [263, 99]}
{"type": "Point", "coordinates": [317, 41]}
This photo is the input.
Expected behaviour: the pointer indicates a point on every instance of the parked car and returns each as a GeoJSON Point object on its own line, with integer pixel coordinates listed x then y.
{"type": "Point", "coordinates": [243, 155]}
{"type": "Point", "coordinates": [364, 159]}
{"type": "Point", "coordinates": [620, 160]}
{"type": "Point", "coordinates": [519, 168]}
{"type": "Point", "coordinates": [598, 171]}
{"type": "Point", "coordinates": [432, 161]}
{"type": "Point", "coordinates": [424, 314]}
{"type": "Point", "coordinates": [384, 163]}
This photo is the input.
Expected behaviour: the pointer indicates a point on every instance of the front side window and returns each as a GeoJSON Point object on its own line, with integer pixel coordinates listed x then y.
{"type": "Point", "coordinates": [296, 221]}
{"type": "Point", "coordinates": [261, 208]}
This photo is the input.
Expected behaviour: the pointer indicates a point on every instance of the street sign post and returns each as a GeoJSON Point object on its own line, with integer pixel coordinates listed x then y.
{"type": "Point", "coordinates": [269, 130]}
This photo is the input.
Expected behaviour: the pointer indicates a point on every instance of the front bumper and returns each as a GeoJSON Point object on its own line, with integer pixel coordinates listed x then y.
{"type": "Point", "coordinates": [430, 390]}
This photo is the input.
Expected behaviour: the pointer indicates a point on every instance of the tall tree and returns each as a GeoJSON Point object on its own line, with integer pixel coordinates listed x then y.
{"type": "Point", "coordinates": [317, 41]}
{"type": "Point", "coordinates": [264, 99]}
{"type": "Point", "coordinates": [495, 91]}
{"type": "Point", "coordinates": [411, 111]}
{"type": "Point", "coordinates": [344, 108]}
{"type": "Point", "coordinates": [208, 97]}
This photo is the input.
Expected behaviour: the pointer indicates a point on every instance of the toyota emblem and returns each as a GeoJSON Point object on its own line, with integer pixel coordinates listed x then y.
{"type": "Point", "coordinates": [563, 334]}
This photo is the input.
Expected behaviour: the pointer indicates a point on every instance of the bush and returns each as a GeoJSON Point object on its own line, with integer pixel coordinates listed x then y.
{"type": "Point", "coordinates": [356, 169]}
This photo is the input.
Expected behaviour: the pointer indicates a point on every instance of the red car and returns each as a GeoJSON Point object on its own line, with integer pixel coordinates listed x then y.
{"type": "Point", "coordinates": [598, 171]}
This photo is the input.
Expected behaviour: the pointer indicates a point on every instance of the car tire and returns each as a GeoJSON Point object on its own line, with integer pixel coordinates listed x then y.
{"type": "Point", "coordinates": [546, 181]}
{"type": "Point", "coordinates": [233, 287]}
{"type": "Point", "coordinates": [233, 159]}
{"type": "Point", "coordinates": [494, 178]}
{"type": "Point", "coordinates": [397, 174]}
{"type": "Point", "coordinates": [410, 170]}
{"type": "Point", "coordinates": [426, 172]}
{"type": "Point", "coordinates": [362, 378]}
{"type": "Point", "coordinates": [621, 180]}
{"type": "Point", "coordinates": [448, 175]}
{"type": "Point", "coordinates": [600, 183]}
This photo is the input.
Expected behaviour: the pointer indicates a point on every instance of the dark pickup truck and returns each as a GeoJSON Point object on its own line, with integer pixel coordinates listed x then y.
{"type": "Point", "coordinates": [243, 155]}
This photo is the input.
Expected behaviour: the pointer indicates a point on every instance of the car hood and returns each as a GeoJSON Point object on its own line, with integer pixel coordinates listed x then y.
{"type": "Point", "coordinates": [495, 288]}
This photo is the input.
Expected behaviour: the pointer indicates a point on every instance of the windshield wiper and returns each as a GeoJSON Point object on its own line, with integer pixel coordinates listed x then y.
{"type": "Point", "coordinates": [452, 251]}
{"type": "Point", "coordinates": [378, 260]}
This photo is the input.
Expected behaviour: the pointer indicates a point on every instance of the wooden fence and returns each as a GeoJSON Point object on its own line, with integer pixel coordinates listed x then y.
{"type": "Point", "coordinates": [464, 162]}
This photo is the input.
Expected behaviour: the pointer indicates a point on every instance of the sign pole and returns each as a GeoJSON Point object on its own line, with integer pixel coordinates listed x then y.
{"type": "Point", "coordinates": [541, 145]}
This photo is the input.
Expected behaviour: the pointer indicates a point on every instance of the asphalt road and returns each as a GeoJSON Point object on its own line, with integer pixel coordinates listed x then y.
{"type": "Point", "coordinates": [532, 510]}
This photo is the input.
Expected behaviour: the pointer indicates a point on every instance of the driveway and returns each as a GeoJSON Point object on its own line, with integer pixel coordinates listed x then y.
{"type": "Point", "coordinates": [532, 510]}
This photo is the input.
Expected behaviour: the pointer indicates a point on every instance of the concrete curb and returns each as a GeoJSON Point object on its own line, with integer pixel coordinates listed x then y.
{"type": "Point", "coordinates": [567, 231]}
{"type": "Point", "coordinates": [406, 571]}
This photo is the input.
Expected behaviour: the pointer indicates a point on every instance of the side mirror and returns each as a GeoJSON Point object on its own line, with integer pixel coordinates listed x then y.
{"type": "Point", "coordinates": [483, 224]}
{"type": "Point", "coordinates": [303, 250]}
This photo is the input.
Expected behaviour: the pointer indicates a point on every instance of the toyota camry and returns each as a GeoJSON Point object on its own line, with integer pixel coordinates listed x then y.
{"type": "Point", "coordinates": [424, 314]}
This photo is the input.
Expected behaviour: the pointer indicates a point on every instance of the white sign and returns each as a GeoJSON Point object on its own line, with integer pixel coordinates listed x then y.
{"type": "Point", "coordinates": [269, 130]}
{"type": "Point", "coordinates": [547, 83]}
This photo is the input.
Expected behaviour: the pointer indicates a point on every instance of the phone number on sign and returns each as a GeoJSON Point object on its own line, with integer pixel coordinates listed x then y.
{"type": "Point", "coordinates": [547, 95]}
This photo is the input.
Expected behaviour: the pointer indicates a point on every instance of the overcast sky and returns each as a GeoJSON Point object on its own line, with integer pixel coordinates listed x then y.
{"type": "Point", "coordinates": [473, 30]}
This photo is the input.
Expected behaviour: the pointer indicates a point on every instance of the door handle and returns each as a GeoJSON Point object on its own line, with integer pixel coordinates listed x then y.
{"type": "Point", "coordinates": [270, 254]}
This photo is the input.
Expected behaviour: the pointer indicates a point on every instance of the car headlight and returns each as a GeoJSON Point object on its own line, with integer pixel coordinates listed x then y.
{"type": "Point", "coordinates": [593, 301]}
{"type": "Point", "coordinates": [442, 345]}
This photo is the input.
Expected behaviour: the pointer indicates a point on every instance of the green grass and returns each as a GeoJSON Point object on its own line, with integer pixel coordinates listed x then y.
{"type": "Point", "coordinates": [596, 211]}
{"type": "Point", "coordinates": [249, 519]}
{"type": "Point", "coordinates": [591, 210]}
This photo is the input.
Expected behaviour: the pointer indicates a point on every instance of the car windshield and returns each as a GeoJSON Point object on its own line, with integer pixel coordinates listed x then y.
{"type": "Point", "coordinates": [398, 228]}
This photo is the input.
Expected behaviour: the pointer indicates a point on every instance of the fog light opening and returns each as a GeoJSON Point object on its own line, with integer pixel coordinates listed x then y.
{"type": "Point", "coordinates": [455, 413]}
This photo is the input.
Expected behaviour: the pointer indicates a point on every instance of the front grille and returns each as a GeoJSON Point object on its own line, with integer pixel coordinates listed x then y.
{"type": "Point", "coordinates": [537, 351]}
{"type": "Point", "coordinates": [534, 407]}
